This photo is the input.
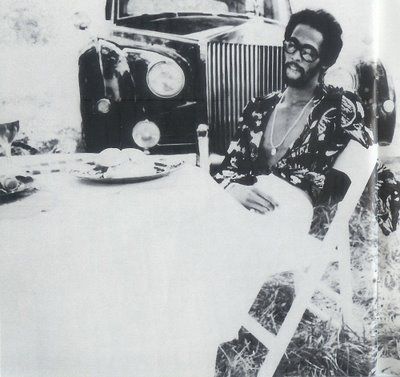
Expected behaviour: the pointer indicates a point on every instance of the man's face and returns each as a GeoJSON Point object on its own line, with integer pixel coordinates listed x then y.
{"type": "Point", "coordinates": [297, 71]}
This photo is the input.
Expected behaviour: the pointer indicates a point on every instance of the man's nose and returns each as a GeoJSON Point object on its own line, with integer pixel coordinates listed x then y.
{"type": "Point", "coordinates": [297, 56]}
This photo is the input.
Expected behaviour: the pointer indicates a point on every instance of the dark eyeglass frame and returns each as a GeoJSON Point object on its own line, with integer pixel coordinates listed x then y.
{"type": "Point", "coordinates": [307, 52]}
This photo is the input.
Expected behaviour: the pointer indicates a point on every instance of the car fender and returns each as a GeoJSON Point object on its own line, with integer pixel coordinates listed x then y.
{"type": "Point", "coordinates": [108, 97]}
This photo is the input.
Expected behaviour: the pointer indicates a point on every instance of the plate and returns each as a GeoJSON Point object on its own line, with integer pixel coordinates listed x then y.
{"type": "Point", "coordinates": [5, 197]}
{"type": "Point", "coordinates": [24, 187]}
{"type": "Point", "coordinates": [131, 179]}
{"type": "Point", "coordinates": [160, 170]}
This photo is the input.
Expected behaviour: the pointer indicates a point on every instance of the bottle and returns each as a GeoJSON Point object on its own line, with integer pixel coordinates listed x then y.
{"type": "Point", "coordinates": [203, 143]}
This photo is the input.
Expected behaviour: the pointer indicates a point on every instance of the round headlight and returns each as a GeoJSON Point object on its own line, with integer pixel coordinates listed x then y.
{"type": "Point", "coordinates": [146, 134]}
{"type": "Point", "coordinates": [388, 106]}
{"type": "Point", "coordinates": [165, 79]}
{"type": "Point", "coordinates": [341, 77]}
{"type": "Point", "coordinates": [103, 105]}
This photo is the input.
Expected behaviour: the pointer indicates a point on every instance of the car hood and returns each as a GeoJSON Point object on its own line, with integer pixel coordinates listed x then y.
{"type": "Point", "coordinates": [199, 29]}
{"type": "Point", "coordinates": [182, 23]}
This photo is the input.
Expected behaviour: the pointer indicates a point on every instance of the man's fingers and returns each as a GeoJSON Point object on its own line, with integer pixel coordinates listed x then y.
{"type": "Point", "coordinates": [255, 207]}
{"type": "Point", "coordinates": [259, 203]}
{"type": "Point", "coordinates": [252, 198]}
{"type": "Point", "coordinates": [266, 197]}
{"type": "Point", "coordinates": [255, 198]}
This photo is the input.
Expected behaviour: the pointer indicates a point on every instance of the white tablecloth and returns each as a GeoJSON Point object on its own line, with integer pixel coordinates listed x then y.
{"type": "Point", "coordinates": [140, 279]}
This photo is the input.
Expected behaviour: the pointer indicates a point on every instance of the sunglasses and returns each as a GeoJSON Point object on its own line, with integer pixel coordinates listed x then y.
{"type": "Point", "coordinates": [307, 52]}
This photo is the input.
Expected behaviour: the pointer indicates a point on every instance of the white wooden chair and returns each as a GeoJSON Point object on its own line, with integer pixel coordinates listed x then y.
{"type": "Point", "coordinates": [358, 163]}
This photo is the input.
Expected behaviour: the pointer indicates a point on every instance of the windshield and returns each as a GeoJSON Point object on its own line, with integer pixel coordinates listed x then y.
{"type": "Point", "coordinates": [132, 8]}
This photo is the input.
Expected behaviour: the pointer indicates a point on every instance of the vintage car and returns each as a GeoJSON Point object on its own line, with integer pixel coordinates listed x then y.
{"type": "Point", "coordinates": [376, 89]}
{"type": "Point", "coordinates": [163, 68]}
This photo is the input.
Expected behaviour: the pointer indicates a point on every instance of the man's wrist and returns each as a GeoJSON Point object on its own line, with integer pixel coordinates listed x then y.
{"type": "Point", "coordinates": [226, 183]}
{"type": "Point", "coordinates": [231, 186]}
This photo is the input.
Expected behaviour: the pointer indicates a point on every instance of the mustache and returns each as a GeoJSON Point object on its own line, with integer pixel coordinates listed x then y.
{"type": "Point", "coordinates": [295, 65]}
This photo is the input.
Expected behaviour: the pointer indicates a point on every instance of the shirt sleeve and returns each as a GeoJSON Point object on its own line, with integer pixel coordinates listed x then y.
{"type": "Point", "coordinates": [350, 126]}
{"type": "Point", "coordinates": [387, 189]}
{"type": "Point", "coordinates": [352, 120]}
{"type": "Point", "coordinates": [236, 166]}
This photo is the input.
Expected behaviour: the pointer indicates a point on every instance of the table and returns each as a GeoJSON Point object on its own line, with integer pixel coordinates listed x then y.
{"type": "Point", "coordinates": [133, 280]}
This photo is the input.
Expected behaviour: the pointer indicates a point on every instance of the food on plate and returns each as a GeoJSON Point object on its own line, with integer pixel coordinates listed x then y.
{"type": "Point", "coordinates": [125, 163]}
{"type": "Point", "coordinates": [131, 168]}
{"type": "Point", "coordinates": [111, 157]}
{"type": "Point", "coordinates": [134, 154]}
{"type": "Point", "coordinates": [9, 184]}
{"type": "Point", "coordinates": [113, 163]}
{"type": "Point", "coordinates": [129, 163]}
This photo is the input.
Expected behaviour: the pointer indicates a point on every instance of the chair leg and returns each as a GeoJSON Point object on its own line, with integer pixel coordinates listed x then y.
{"type": "Point", "coordinates": [303, 296]}
{"type": "Point", "coordinates": [345, 281]}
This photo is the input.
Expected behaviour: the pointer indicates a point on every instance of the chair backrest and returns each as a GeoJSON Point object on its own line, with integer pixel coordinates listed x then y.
{"type": "Point", "coordinates": [358, 163]}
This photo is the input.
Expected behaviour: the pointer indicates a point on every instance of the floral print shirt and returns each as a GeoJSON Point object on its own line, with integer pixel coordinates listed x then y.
{"type": "Point", "coordinates": [335, 119]}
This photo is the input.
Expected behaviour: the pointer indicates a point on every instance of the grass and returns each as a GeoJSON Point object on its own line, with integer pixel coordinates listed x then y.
{"type": "Point", "coordinates": [318, 348]}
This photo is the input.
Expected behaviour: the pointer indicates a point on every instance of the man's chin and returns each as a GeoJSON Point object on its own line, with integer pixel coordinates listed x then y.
{"type": "Point", "coordinates": [298, 79]}
{"type": "Point", "coordinates": [293, 78]}
{"type": "Point", "coordinates": [294, 82]}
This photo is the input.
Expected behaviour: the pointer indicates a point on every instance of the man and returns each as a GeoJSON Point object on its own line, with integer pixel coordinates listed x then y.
{"type": "Point", "coordinates": [297, 134]}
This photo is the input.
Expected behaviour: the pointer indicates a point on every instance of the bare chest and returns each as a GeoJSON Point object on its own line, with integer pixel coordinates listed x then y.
{"type": "Point", "coordinates": [284, 127]}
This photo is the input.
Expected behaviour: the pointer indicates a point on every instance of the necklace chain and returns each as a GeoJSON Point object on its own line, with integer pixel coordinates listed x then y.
{"type": "Point", "coordinates": [290, 129]}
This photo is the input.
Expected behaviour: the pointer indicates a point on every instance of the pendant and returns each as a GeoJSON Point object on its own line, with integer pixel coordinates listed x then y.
{"type": "Point", "coordinates": [273, 151]}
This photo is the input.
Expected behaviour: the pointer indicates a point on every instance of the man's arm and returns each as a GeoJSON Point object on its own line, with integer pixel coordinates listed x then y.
{"type": "Point", "coordinates": [236, 166]}
{"type": "Point", "coordinates": [352, 123]}
{"type": "Point", "coordinates": [351, 131]}
{"type": "Point", "coordinates": [235, 173]}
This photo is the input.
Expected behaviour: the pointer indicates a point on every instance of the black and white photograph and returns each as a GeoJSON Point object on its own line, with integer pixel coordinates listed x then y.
{"type": "Point", "coordinates": [199, 188]}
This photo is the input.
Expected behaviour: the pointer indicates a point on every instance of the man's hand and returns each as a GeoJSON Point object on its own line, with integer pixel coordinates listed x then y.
{"type": "Point", "coordinates": [252, 198]}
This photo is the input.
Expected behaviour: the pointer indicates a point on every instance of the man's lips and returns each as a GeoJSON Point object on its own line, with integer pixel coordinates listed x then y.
{"type": "Point", "coordinates": [294, 67]}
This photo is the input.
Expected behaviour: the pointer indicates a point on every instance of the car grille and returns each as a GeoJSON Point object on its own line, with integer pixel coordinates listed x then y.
{"type": "Point", "coordinates": [235, 74]}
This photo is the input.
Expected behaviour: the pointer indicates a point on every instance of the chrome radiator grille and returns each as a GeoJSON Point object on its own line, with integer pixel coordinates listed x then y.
{"type": "Point", "coordinates": [235, 74]}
